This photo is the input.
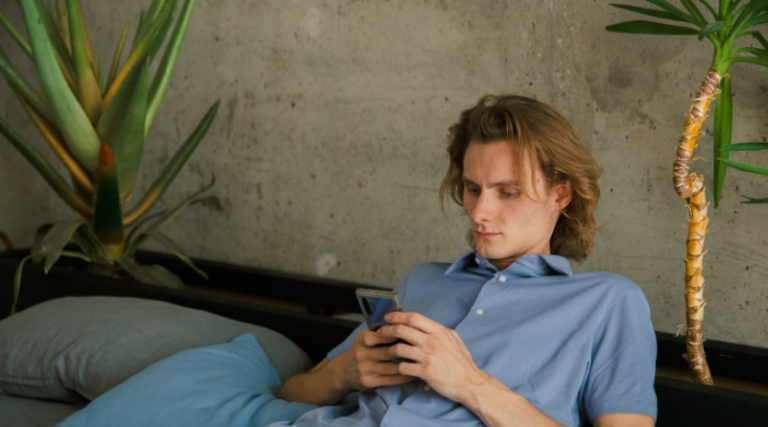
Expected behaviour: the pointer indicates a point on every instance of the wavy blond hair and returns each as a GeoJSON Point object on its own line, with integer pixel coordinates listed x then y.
{"type": "Point", "coordinates": [552, 147]}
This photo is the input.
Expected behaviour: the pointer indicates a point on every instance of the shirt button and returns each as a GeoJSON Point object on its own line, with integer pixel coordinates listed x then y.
{"type": "Point", "coordinates": [477, 260]}
{"type": "Point", "coordinates": [502, 278]}
{"type": "Point", "coordinates": [480, 311]}
{"type": "Point", "coordinates": [427, 387]}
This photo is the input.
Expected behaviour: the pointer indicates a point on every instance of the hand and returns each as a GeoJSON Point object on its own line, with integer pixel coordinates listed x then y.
{"type": "Point", "coordinates": [440, 357]}
{"type": "Point", "coordinates": [366, 365]}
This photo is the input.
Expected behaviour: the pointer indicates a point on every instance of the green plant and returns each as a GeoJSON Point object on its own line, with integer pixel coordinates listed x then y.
{"type": "Point", "coordinates": [96, 124]}
{"type": "Point", "coordinates": [731, 20]}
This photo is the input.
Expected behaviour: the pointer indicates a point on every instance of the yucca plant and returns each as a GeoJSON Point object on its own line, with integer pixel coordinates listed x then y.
{"type": "Point", "coordinates": [731, 20]}
{"type": "Point", "coordinates": [96, 123]}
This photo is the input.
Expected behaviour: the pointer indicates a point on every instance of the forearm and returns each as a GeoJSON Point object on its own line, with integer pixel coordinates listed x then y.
{"type": "Point", "coordinates": [498, 406]}
{"type": "Point", "coordinates": [319, 387]}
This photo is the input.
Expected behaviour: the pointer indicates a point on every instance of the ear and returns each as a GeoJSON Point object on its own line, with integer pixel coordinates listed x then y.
{"type": "Point", "coordinates": [564, 195]}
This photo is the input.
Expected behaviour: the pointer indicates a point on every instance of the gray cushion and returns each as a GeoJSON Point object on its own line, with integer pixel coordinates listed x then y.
{"type": "Point", "coordinates": [24, 412]}
{"type": "Point", "coordinates": [75, 347]}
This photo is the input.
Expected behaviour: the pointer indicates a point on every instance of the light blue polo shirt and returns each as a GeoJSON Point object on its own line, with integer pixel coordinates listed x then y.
{"type": "Point", "coordinates": [576, 346]}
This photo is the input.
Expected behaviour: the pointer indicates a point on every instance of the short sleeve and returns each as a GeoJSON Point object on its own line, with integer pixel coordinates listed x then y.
{"type": "Point", "coordinates": [347, 343]}
{"type": "Point", "coordinates": [623, 365]}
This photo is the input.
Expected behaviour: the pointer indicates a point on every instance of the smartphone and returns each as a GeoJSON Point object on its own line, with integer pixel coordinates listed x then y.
{"type": "Point", "coordinates": [375, 304]}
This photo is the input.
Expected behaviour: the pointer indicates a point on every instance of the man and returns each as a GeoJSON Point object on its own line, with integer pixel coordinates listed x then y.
{"type": "Point", "coordinates": [506, 335]}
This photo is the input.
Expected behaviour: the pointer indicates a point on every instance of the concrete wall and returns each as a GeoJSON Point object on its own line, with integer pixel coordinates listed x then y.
{"type": "Point", "coordinates": [329, 144]}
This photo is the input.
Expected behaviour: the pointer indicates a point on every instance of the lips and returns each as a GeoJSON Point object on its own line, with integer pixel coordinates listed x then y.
{"type": "Point", "coordinates": [485, 235]}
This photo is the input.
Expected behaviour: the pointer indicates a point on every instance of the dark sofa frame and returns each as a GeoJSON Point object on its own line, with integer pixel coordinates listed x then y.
{"type": "Point", "coordinates": [681, 403]}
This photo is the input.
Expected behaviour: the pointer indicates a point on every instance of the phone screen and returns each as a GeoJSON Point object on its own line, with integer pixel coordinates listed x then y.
{"type": "Point", "coordinates": [376, 304]}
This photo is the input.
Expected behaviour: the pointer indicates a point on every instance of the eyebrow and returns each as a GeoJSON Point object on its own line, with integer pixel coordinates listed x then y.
{"type": "Point", "coordinates": [511, 183]}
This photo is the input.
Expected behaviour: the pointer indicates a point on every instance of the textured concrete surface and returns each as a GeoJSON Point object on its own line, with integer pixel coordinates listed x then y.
{"type": "Point", "coordinates": [329, 144]}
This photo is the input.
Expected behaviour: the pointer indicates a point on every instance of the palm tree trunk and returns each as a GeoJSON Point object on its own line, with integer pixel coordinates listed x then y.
{"type": "Point", "coordinates": [691, 187]}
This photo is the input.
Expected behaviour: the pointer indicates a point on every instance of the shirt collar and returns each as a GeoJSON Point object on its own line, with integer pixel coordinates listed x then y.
{"type": "Point", "coordinates": [529, 265]}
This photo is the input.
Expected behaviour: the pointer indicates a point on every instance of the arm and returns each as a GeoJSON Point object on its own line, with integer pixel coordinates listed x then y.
{"type": "Point", "coordinates": [319, 386]}
{"type": "Point", "coordinates": [363, 366]}
{"type": "Point", "coordinates": [497, 406]}
{"type": "Point", "coordinates": [624, 420]}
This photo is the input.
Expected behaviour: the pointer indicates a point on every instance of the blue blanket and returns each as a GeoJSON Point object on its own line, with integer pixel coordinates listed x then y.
{"type": "Point", "coordinates": [231, 384]}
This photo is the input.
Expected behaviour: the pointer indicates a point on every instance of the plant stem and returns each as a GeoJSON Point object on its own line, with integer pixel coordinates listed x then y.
{"type": "Point", "coordinates": [691, 187]}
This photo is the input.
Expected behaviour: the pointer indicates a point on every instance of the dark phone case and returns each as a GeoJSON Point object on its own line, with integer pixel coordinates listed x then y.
{"type": "Point", "coordinates": [380, 305]}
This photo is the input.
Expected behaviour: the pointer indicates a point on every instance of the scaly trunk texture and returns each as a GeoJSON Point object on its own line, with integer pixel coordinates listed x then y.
{"type": "Point", "coordinates": [691, 187]}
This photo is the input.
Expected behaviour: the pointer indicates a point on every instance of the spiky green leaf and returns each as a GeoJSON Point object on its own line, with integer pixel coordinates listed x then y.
{"type": "Point", "coordinates": [163, 218]}
{"type": "Point", "coordinates": [140, 52]}
{"type": "Point", "coordinates": [722, 134]}
{"type": "Point", "coordinates": [89, 92]}
{"type": "Point", "coordinates": [113, 119]}
{"type": "Point", "coordinates": [139, 31]}
{"type": "Point", "coordinates": [710, 28]}
{"type": "Point", "coordinates": [165, 70]}
{"type": "Point", "coordinates": [647, 27]}
{"type": "Point", "coordinates": [173, 167]}
{"type": "Point", "coordinates": [162, 32]}
{"type": "Point", "coordinates": [16, 36]}
{"type": "Point", "coordinates": [147, 218]}
{"type": "Point", "coordinates": [151, 274]}
{"type": "Point", "coordinates": [20, 269]}
{"type": "Point", "coordinates": [17, 80]}
{"type": "Point", "coordinates": [694, 12]}
{"type": "Point", "coordinates": [752, 60]}
{"type": "Point", "coordinates": [54, 241]}
{"type": "Point", "coordinates": [673, 10]}
{"type": "Point", "coordinates": [37, 243]}
{"type": "Point", "coordinates": [746, 146]}
{"type": "Point", "coordinates": [751, 10]}
{"type": "Point", "coordinates": [715, 15]}
{"type": "Point", "coordinates": [649, 12]}
{"type": "Point", "coordinates": [759, 37]}
{"type": "Point", "coordinates": [724, 6]}
{"type": "Point", "coordinates": [177, 250]}
{"type": "Point", "coordinates": [130, 144]}
{"type": "Point", "coordinates": [745, 167]}
{"type": "Point", "coordinates": [118, 55]}
{"type": "Point", "coordinates": [17, 281]}
{"type": "Point", "coordinates": [108, 220]}
{"type": "Point", "coordinates": [100, 76]}
{"type": "Point", "coordinates": [89, 243]}
{"type": "Point", "coordinates": [751, 200]}
{"type": "Point", "coordinates": [46, 170]}
{"type": "Point", "coordinates": [61, 8]}
{"type": "Point", "coordinates": [54, 36]}
{"type": "Point", "coordinates": [74, 124]}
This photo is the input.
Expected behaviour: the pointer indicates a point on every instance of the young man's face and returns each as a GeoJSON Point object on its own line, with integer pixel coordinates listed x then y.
{"type": "Point", "coordinates": [505, 223]}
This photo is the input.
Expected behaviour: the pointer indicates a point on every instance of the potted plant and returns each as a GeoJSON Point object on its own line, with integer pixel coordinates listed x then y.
{"type": "Point", "coordinates": [733, 19]}
{"type": "Point", "coordinates": [96, 123]}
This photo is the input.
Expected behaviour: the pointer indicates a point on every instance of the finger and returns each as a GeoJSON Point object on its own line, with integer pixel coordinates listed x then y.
{"type": "Point", "coordinates": [405, 351]}
{"type": "Point", "coordinates": [372, 339]}
{"type": "Point", "coordinates": [388, 368]}
{"type": "Point", "coordinates": [416, 320]}
{"type": "Point", "coordinates": [405, 332]}
{"type": "Point", "coordinates": [395, 379]}
{"type": "Point", "coordinates": [382, 354]}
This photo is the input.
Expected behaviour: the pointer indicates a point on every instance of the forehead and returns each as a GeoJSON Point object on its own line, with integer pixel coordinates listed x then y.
{"type": "Point", "coordinates": [496, 160]}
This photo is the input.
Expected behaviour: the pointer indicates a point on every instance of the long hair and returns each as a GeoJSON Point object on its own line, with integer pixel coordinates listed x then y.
{"type": "Point", "coordinates": [551, 145]}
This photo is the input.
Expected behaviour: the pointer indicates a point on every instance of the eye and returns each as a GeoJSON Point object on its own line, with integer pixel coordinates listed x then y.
{"type": "Point", "coordinates": [473, 190]}
{"type": "Point", "coordinates": [507, 194]}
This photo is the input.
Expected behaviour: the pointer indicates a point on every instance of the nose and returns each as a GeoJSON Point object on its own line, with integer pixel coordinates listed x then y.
{"type": "Point", "coordinates": [484, 208]}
